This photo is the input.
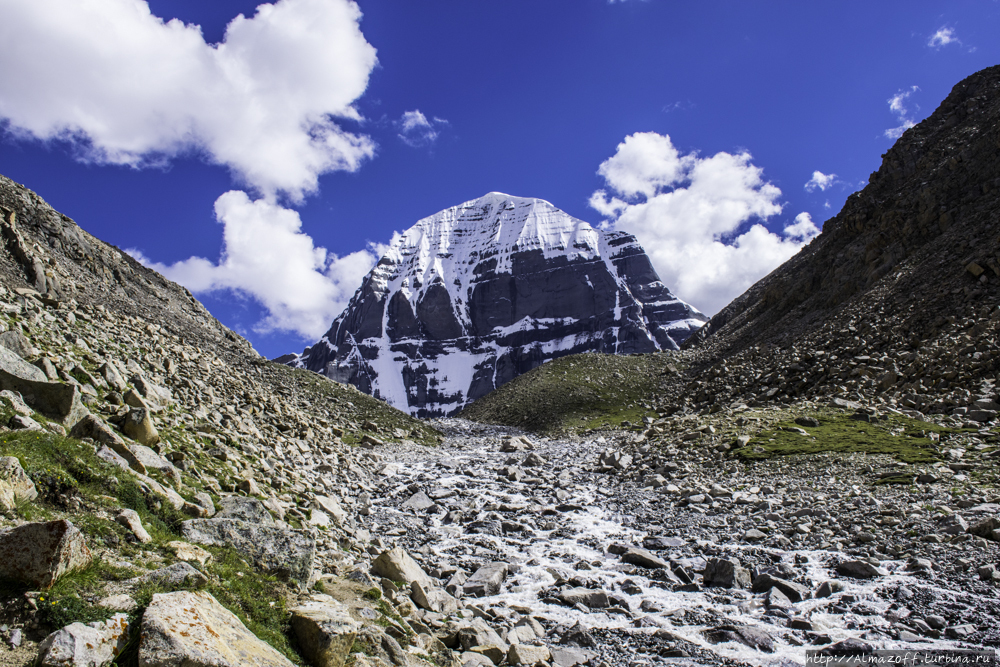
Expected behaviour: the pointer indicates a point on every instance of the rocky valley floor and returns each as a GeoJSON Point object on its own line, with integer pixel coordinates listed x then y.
{"type": "Point", "coordinates": [606, 549]}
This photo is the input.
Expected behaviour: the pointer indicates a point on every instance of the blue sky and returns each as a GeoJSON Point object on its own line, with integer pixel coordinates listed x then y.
{"type": "Point", "coordinates": [697, 126]}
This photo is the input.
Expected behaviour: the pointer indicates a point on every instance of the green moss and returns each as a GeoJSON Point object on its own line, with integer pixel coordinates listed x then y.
{"type": "Point", "coordinates": [898, 436]}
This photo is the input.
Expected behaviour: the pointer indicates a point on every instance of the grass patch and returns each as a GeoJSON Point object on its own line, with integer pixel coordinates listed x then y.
{"type": "Point", "coordinates": [901, 437]}
{"type": "Point", "coordinates": [579, 392]}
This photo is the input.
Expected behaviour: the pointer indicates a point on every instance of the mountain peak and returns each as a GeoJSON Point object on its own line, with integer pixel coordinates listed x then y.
{"type": "Point", "coordinates": [474, 295]}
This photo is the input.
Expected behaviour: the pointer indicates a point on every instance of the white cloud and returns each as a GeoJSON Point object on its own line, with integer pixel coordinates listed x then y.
{"type": "Point", "coordinates": [267, 256]}
{"type": "Point", "coordinates": [416, 130]}
{"type": "Point", "coordinates": [898, 106]}
{"type": "Point", "coordinates": [691, 216]}
{"type": "Point", "coordinates": [128, 88]}
{"type": "Point", "coordinates": [943, 37]}
{"type": "Point", "coordinates": [820, 181]}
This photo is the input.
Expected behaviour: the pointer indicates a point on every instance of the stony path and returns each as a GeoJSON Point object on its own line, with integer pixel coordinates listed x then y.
{"type": "Point", "coordinates": [570, 539]}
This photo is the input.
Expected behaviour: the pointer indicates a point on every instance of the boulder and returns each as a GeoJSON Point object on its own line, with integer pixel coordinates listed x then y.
{"type": "Point", "coordinates": [22, 423]}
{"type": "Point", "coordinates": [284, 552]}
{"type": "Point", "coordinates": [593, 598]}
{"type": "Point", "coordinates": [753, 637]}
{"type": "Point", "coordinates": [112, 377]}
{"type": "Point", "coordinates": [13, 365]}
{"type": "Point", "coordinates": [154, 395]}
{"type": "Point", "coordinates": [39, 553]}
{"type": "Point", "coordinates": [90, 645]}
{"type": "Point", "coordinates": [726, 573]}
{"type": "Point", "coordinates": [332, 508]}
{"type": "Point", "coordinates": [16, 402]}
{"type": "Point", "coordinates": [643, 558]}
{"type": "Point", "coordinates": [325, 631]}
{"type": "Point", "coordinates": [16, 342]}
{"type": "Point", "coordinates": [486, 580]}
{"type": "Point", "coordinates": [858, 569]}
{"type": "Point", "coordinates": [397, 565]}
{"type": "Point", "coordinates": [139, 427]}
{"type": "Point", "coordinates": [793, 591]}
{"type": "Point", "coordinates": [419, 502]}
{"type": "Point", "coordinates": [432, 599]}
{"type": "Point", "coordinates": [92, 427]}
{"type": "Point", "coordinates": [985, 527]}
{"type": "Point", "coordinates": [189, 552]}
{"type": "Point", "coordinates": [130, 519]}
{"type": "Point", "coordinates": [59, 402]}
{"type": "Point", "coordinates": [478, 633]}
{"type": "Point", "coordinates": [523, 654]}
{"type": "Point", "coordinates": [15, 484]}
{"type": "Point", "coordinates": [191, 629]}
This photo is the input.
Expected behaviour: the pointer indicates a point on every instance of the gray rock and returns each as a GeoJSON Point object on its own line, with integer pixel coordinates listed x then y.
{"type": "Point", "coordinates": [16, 342]}
{"type": "Point", "coordinates": [139, 426]}
{"type": "Point", "coordinates": [726, 573]}
{"type": "Point", "coordinates": [953, 524]}
{"type": "Point", "coordinates": [178, 574]}
{"type": "Point", "coordinates": [397, 565]}
{"type": "Point", "coordinates": [486, 580]}
{"type": "Point", "coordinates": [828, 588]}
{"type": "Point", "coordinates": [59, 402]}
{"type": "Point", "coordinates": [809, 422]}
{"type": "Point", "coordinates": [643, 558]}
{"type": "Point", "coordinates": [524, 654]}
{"type": "Point", "coordinates": [22, 423]}
{"type": "Point", "coordinates": [419, 502]}
{"type": "Point", "coordinates": [570, 657]}
{"type": "Point", "coordinates": [755, 638]}
{"type": "Point", "coordinates": [244, 509]}
{"type": "Point", "coordinates": [432, 599]}
{"type": "Point", "coordinates": [795, 592]}
{"type": "Point", "coordinates": [985, 527]}
{"type": "Point", "coordinates": [191, 629]}
{"type": "Point", "coordinates": [754, 535]}
{"type": "Point", "coordinates": [332, 508]}
{"type": "Point", "coordinates": [325, 630]}
{"type": "Point", "coordinates": [38, 554]}
{"type": "Point", "coordinates": [15, 485]}
{"type": "Point", "coordinates": [130, 519]}
{"type": "Point", "coordinates": [858, 569]}
{"type": "Point", "coordinates": [286, 553]}
{"type": "Point", "coordinates": [79, 645]}
{"type": "Point", "coordinates": [593, 598]}
{"type": "Point", "coordinates": [92, 427]}
{"type": "Point", "coordinates": [11, 364]}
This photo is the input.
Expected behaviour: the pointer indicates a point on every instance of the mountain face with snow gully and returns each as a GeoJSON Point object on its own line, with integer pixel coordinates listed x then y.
{"type": "Point", "coordinates": [473, 296]}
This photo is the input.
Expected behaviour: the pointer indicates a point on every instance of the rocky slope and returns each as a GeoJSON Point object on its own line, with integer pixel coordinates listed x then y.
{"type": "Point", "coordinates": [470, 298]}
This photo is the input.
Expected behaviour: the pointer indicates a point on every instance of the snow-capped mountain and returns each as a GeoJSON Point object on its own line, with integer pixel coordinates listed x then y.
{"type": "Point", "coordinates": [477, 294]}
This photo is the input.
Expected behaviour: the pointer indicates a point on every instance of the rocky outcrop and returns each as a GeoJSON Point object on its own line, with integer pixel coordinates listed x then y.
{"type": "Point", "coordinates": [480, 293]}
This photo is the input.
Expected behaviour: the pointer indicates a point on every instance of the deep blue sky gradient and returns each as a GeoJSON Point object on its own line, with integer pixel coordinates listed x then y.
{"type": "Point", "coordinates": [537, 93]}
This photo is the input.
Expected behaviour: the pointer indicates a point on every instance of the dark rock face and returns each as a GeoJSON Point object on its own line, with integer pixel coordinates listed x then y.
{"type": "Point", "coordinates": [478, 294]}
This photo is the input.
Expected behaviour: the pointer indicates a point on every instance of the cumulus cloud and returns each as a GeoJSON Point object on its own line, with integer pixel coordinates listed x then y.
{"type": "Point", "coordinates": [416, 130]}
{"type": "Point", "coordinates": [266, 254]}
{"type": "Point", "coordinates": [898, 106]}
{"type": "Point", "coordinates": [693, 216]}
{"type": "Point", "coordinates": [820, 181]}
{"type": "Point", "coordinates": [128, 88]}
{"type": "Point", "coordinates": [943, 37]}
